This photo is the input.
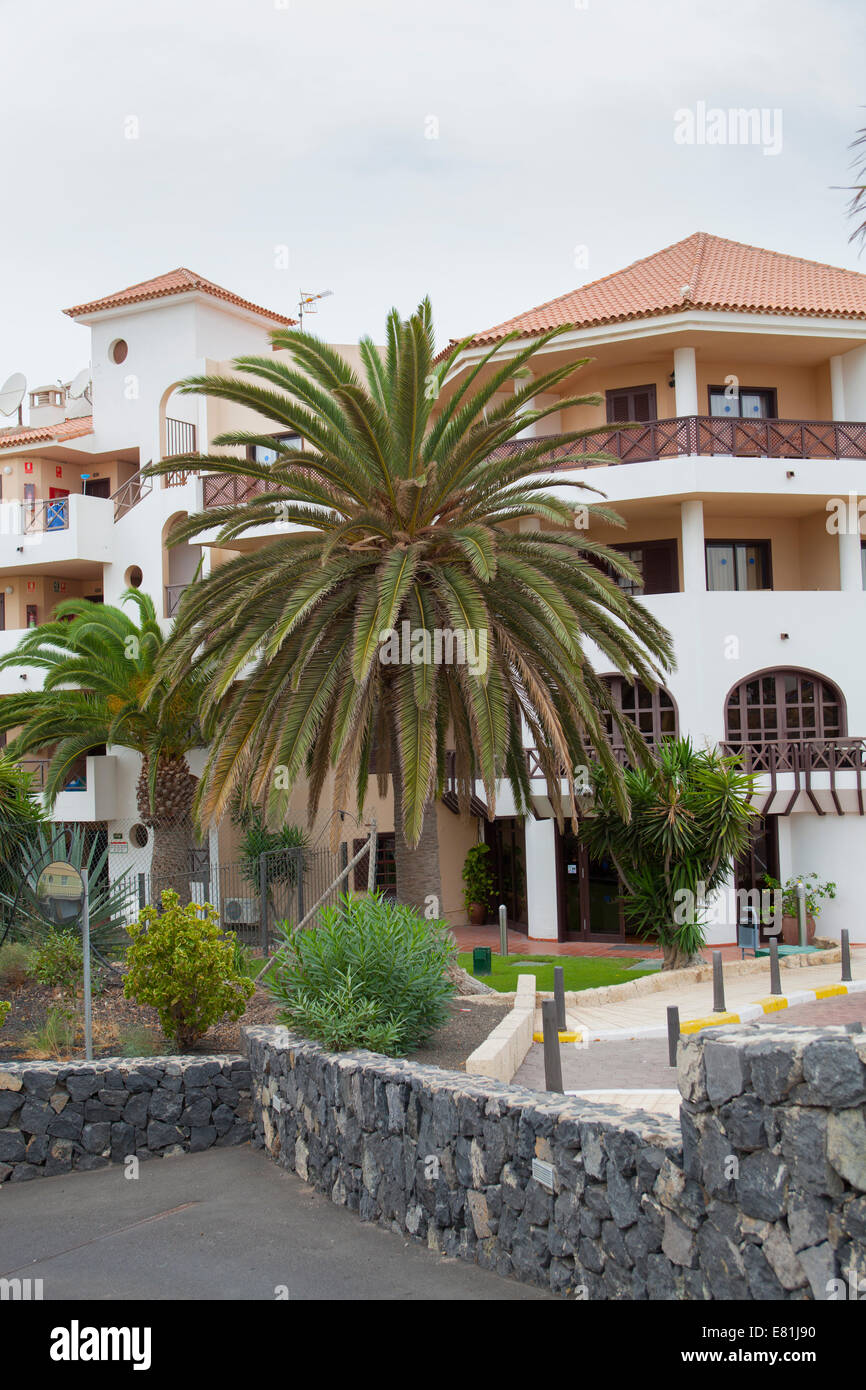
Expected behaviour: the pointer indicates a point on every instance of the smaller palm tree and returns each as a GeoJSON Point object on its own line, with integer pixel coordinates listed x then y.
{"type": "Point", "coordinates": [99, 665]}
{"type": "Point", "coordinates": [691, 818]}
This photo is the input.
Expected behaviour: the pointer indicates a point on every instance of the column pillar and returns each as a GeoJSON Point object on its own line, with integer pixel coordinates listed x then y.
{"type": "Point", "coordinates": [694, 555]}
{"type": "Point", "coordinates": [542, 905]}
{"type": "Point", "coordinates": [850, 562]}
{"type": "Point", "coordinates": [686, 381]}
{"type": "Point", "coordinates": [837, 389]}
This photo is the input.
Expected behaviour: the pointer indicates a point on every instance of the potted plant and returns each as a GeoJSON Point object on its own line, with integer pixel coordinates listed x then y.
{"type": "Point", "coordinates": [478, 878]}
{"type": "Point", "coordinates": [816, 891]}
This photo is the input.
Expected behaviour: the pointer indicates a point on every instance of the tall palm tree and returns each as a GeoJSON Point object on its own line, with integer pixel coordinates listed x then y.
{"type": "Point", "coordinates": [404, 509]}
{"type": "Point", "coordinates": [99, 664]}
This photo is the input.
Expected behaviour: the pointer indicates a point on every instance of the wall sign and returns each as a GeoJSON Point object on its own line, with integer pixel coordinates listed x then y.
{"type": "Point", "coordinates": [58, 471]}
{"type": "Point", "coordinates": [28, 465]}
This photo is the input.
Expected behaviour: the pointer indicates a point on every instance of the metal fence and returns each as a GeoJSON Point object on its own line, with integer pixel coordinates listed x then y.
{"type": "Point", "coordinates": [253, 897]}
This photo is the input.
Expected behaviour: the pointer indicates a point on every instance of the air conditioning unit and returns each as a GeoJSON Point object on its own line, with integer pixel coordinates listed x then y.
{"type": "Point", "coordinates": [239, 910]}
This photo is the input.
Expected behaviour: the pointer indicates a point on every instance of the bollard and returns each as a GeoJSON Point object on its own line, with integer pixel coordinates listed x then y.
{"type": "Point", "coordinates": [775, 977]}
{"type": "Point", "coordinates": [559, 995]}
{"type": "Point", "coordinates": [552, 1058]}
{"type": "Point", "coordinates": [718, 984]}
{"type": "Point", "coordinates": [503, 930]}
{"type": "Point", "coordinates": [846, 956]}
{"type": "Point", "coordinates": [802, 934]}
{"type": "Point", "coordinates": [673, 1033]}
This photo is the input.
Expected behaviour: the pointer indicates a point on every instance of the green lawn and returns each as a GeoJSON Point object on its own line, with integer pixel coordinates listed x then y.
{"type": "Point", "coordinates": [581, 972]}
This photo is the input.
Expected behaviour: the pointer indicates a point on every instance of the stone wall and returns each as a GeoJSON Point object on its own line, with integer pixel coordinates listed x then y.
{"type": "Point", "coordinates": [57, 1116]}
{"type": "Point", "coordinates": [756, 1195]}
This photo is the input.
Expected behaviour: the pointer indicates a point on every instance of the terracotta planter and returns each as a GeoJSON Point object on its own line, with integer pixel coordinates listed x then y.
{"type": "Point", "coordinates": [791, 931]}
{"type": "Point", "coordinates": [478, 914]}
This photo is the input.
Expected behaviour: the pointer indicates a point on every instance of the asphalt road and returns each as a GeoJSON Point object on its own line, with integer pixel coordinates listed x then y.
{"type": "Point", "coordinates": [228, 1224]}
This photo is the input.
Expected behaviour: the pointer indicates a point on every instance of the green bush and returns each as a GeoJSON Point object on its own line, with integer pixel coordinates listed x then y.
{"type": "Point", "coordinates": [478, 878]}
{"type": "Point", "coordinates": [58, 961]}
{"type": "Point", "coordinates": [5, 1006]}
{"type": "Point", "coordinates": [372, 973]}
{"type": "Point", "coordinates": [181, 964]}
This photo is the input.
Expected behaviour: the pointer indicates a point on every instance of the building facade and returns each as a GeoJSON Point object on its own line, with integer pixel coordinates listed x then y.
{"type": "Point", "coordinates": [732, 385]}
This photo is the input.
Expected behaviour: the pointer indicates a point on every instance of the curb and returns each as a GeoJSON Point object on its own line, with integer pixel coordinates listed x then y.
{"type": "Point", "coordinates": [769, 1004]}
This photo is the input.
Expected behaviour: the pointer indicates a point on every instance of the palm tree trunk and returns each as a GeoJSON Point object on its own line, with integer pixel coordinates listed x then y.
{"type": "Point", "coordinates": [419, 878]}
{"type": "Point", "coordinates": [170, 819]}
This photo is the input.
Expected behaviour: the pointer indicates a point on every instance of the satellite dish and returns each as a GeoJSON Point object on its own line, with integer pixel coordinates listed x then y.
{"type": "Point", "coordinates": [80, 386]}
{"type": "Point", "coordinates": [12, 393]}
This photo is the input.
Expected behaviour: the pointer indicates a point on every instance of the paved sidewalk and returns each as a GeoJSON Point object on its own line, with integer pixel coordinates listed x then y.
{"type": "Point", "coordinates": [747, 997]}
{"type": "Point", "coordinates": [637, 1072]}
{"type": "Point", "coordinates": [228, 1224]}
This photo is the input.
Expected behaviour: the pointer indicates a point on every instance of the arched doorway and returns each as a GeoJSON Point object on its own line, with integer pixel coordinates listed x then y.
{"type": "Point", "coordinates": [181, 564]}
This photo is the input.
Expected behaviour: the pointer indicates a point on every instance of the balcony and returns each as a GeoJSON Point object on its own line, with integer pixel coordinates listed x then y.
{"type": "Point", "coordinates": [44, 534]}
{"type": "Point", "coordinates": [90, 792]}
{"type": "Point", "coordinates": [179, 437]}
{"type": "Point", "coordinates": [826, 773]}
{"type": "Point", "coordinates": [706, 435]}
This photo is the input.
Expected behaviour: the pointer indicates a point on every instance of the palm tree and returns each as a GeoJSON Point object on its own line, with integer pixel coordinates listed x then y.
{"type": "Point", "coordinates": [99, 664]}
{"type": "Point", "coordinates": [403, 509]}
{"type": "Point", "coordinates": [691, 819]}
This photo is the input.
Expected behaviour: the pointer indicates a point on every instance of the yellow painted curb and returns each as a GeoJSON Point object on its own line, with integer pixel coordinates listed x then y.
{"type": "Point", "coordinates": [827, 991]}
{"type": "Point", "coordinates": [563, 1037]}
{"type": "Point", "coordinates": [772, 1003]}
{"type": "Point", "coordinates": [695, 1025]}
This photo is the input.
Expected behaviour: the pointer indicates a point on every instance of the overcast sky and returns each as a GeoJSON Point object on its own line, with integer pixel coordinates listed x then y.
{"type": "Point", "coordinates": [306, 124]}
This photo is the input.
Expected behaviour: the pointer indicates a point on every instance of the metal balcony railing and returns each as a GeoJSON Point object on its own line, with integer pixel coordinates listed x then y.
{"type": "Point", "coordinates": [130, 493]}
{"type": "Point", "coordinates": [37, 768]}
{"type": "Point", "coordinates": [43, 515]}
{"type": "Point", "coordinates": [179, 437]}
{"type": "Point", "coordinates": [173, 594]}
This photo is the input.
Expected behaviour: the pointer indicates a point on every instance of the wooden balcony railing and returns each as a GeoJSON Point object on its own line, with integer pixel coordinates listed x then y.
{"type": "Point", "coordinates": [802, 758]}
{"type": "Point", "coordinates": [37, 768]}
{"type": "Point", "coordinates": [44, 515]}
{"type": "Point", "coordinates": [234, 490]}
{"type": "Point", "coordinates": [708, 435]}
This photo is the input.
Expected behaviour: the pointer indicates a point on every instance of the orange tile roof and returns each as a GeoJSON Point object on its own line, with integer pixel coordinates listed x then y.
{"type": "Point", "coordinates": [37, 434]}
{"type": "Point", "coordinates": [180, 281]}
{"type": "Point", "coordinates": [719, 274]}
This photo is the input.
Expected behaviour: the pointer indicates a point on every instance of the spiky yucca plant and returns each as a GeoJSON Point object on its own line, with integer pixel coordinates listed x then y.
{"type": "Point", "coordinates": [402, 507]}
{"type": "Point", "coordinates": [99, 664]}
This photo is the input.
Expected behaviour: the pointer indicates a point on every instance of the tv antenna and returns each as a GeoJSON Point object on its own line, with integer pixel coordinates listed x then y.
{"type": "Point", "coordinates": [307, 301]}
{"type": "Point", "coordinates": [80, 386]}
{"type": "Point", "coordinates": [12, 394]}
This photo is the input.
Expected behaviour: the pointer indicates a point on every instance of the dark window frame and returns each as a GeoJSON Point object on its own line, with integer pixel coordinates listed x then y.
{"type": "Point", "coordinates": [386, 864]}
{"type": "Point", "coordinates": [279, 438]}
{"type": "Point", "coordinates": [671, 545]}
{"type": "Point", "coordinates": [619, 392]}
{"type": "Point", "coordinates": [770, 391]}
{"type": "Point", "coordinates": [720, 540]}
{"type": "Point", "coordinates": [828, 694]}
{"type": "Point", "coordinates": [617, 685]}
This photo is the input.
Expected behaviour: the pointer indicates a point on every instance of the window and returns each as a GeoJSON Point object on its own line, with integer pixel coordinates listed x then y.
{"type": "Point", "coordinates": [386, 865]}
{"type": "Point", "coordinates": [657, 562]}
{"type": "Point", "coordinates": [784, 705]}
{"type": "Point", "coordinates": [258, 453]}
{"type": "Point", "coordinates": [749, 403]}
{"type": "Point", "coordinates": [631, 403]}
{"type": "Point", "coordinates": [118, 351]}
{"type": "Point", "coordinates": [652, 712]}
{"type": "Point", "coordinates": [738, 565]}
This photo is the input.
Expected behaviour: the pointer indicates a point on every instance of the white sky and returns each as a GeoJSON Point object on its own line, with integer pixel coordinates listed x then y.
{"type": "Point", "coordinates": [301, 123]}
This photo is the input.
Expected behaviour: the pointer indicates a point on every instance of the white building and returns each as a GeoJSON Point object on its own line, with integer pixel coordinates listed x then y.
{"type": "Point", "coordinates": [746, 371]}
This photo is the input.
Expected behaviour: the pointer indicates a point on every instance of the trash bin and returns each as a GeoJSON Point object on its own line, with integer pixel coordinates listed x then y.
{"type": "Point", "coordinates": [481, 960]}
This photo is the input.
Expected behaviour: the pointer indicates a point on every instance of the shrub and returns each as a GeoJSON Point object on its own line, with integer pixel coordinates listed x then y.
{"type": "Point", "coordinates": [371, 973]}
{"type": "Point", "coordinates": [5, 1006]}
{"type": "Point", "coordinates": [15, 964]}
{"type": "Point", "coordinates": [58, 961]}
{"type": "Point", "coordinates": [181, 964]}
{"type": "Point", "coordinates": [478, 877]}
{"type": "Point", "coordinates": [816, 891]}
{"type": "Point", "coordinates": [56, 1037]}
